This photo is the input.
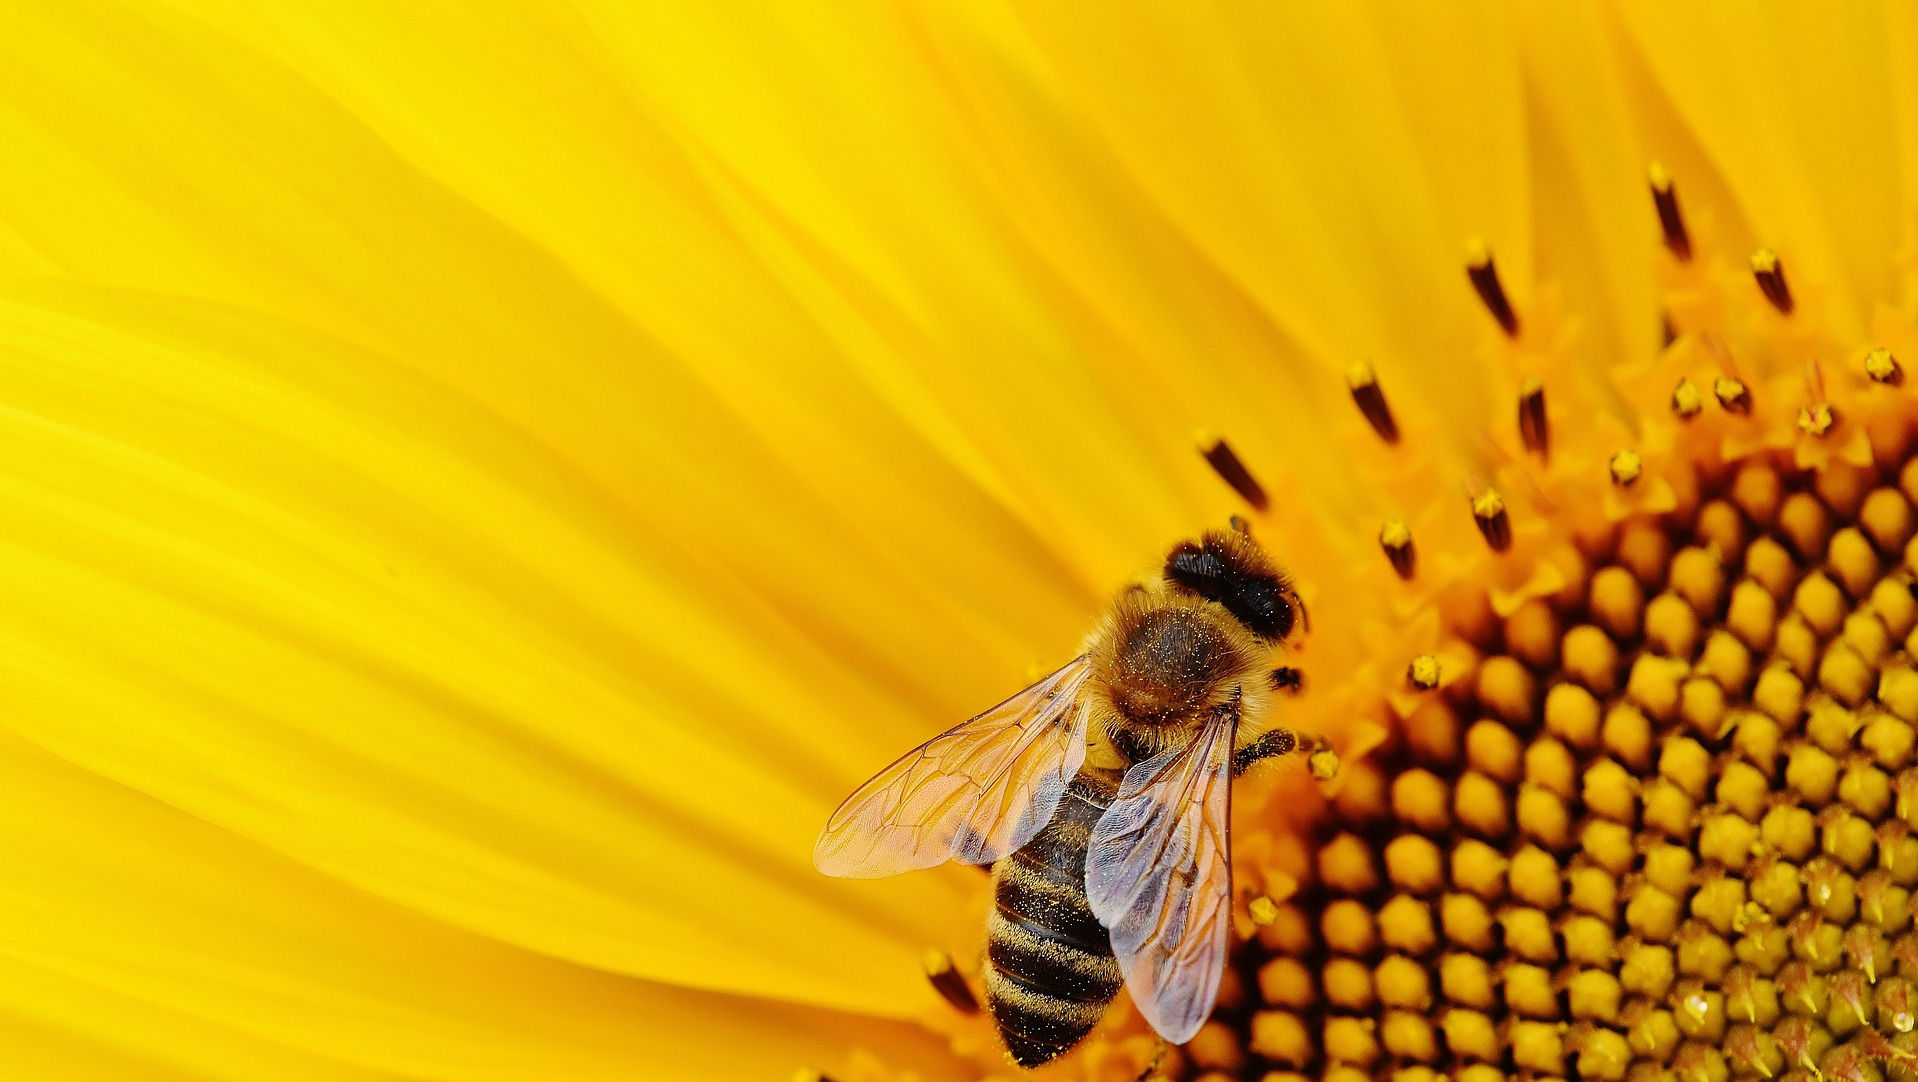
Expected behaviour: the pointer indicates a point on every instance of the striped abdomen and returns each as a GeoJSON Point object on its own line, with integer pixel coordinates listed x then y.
{"type": "Point", "coordinates": [1049, 968]}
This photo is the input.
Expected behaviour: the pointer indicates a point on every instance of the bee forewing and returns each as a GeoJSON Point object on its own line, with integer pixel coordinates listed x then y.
{"type": "Point", "coordinates": [1159, 877]}
{"type": "Point", "coordinates": [974, 793]}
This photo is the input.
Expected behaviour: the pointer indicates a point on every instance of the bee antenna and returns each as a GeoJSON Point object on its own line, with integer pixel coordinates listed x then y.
{"type": "Point", "coordinates": [1305, 618]}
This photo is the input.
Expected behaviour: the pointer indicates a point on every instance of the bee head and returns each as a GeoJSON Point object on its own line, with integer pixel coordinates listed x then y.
{"type": "Point", "coordinates": [1233, 571]}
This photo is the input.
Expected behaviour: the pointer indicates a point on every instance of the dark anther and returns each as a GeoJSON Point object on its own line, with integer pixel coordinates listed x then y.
{"type": "Point", "coordinates": [1488, 510]}
{"type": "Point", "coordinates": [1371, 400]}
{"type": "Point", "coordinates": [1239, 526]}
{"type": "Point", "coordinates": [1287, 678]}
{"type": "Point", "coordinates": [1220, 456]}
{"type": "Point", "coordinates": [1771, 279]}
{"type": "Point", "coordinates": [1732, 394]}
{"type": "Point", "coordinates": [1484, 275]}
{"type": "Point", "coordinates": [1395, 537]}
{"type": "Point", "coordinates": [1882, 367]}
{"type": "Point", "coordinates": [1670, 221]}
{"type": "Point", "coordinates": [1532, 426]}
{"type": "Point", "coordinates": [948, 983]}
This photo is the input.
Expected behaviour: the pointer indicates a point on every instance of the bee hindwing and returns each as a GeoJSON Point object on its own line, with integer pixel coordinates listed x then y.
{"type": "Point", "coordinates": [1159, 877]}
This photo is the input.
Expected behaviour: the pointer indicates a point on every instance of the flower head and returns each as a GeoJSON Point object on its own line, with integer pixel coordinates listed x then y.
{"type": "Point", "coordinates": [479, 487]}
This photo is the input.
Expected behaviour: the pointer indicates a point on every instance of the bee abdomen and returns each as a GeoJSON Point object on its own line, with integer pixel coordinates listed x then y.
{"type": "Point", "coordinates": [1049, 971]}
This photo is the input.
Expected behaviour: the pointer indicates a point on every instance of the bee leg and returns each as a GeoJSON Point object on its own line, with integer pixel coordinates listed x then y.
{"type": "Point", "coordinates": [1158, 1057]}
{"type": "Point", "coordinates": [1287, 678]}
{"type": "Point", "coordinates": [1270, 745]}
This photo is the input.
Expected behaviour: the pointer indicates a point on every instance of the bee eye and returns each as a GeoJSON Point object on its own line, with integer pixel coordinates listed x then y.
{"type": "Point", "coordinates": [1258, 598]}
{"type": "Point", "coordinates": [1283, 616]}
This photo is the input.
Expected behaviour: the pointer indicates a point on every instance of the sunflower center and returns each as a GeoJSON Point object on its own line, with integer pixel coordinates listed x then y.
{"type": "Point", "coordinates": [1667, 830]}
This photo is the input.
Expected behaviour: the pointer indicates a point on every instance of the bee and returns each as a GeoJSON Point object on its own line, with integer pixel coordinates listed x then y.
{"type": "Point", "coordinates": [1101, 795]}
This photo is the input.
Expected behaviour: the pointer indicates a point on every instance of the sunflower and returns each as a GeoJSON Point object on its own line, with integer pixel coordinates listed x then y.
{"type": "Point", "coordinates": [482, 483]}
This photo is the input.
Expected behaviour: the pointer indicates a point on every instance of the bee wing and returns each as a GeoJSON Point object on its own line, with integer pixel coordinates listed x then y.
{"type": "Point", "coordinates": [974, 793]}
{"type": "Point", "coordinates": [1159, 877]}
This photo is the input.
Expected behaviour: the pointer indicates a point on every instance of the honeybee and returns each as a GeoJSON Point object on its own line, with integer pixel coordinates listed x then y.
{"type": "Point", "coordinates": [1103, 794]}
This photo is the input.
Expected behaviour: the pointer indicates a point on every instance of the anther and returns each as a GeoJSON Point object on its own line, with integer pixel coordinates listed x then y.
{"type": "Point", "coordinates": [1423, 673]}
{"type": "Point", "coordinates": [807, 1074]}
{"type": "Point", "coordinates": [1225, 462]}
{"type": "Point", "coordinates": [1626, 468]}
{"type": "Point", "coordinates": [1395, 537]}
{"type": "Point", "coordinates": [1370, 398]}
{"type": "Point", "coordinates": [948, 983]}
{"type": "Point", "coordinates": [1488, 510]}
{"type": "Point", "coordinates": [1816, 420]}
{"type": "Point", "coordinates": [1670, 221]}
{"type": "Point", "coordinates": [1532, 425]}
{"type": "Point", "coordinates": [1484, 275]}
{"type": "Point", "coordinates": [1686, 401]}
{"type": "Point", "coordinates": [1732, 394]}
{"type": "Point", "coordinates": [1882, 367]}
{"type": "Point", "coordinates": [1771, 279]}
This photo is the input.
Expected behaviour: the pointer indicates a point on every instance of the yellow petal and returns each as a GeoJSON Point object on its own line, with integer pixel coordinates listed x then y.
{"type": "Point", "coordinates": [1588, 167]}
{"type": "Point", "coordinates": [1360, 160]}
{"type": "Point", "coordinates": [137, 940]}
{"type": "Point", "coordinates": [284, 585]}
{"type": "Point", "coordinates": [1794, 105]}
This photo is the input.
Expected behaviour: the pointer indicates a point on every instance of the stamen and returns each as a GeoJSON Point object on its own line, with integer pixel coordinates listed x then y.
{"type": "Point", "coordinates": [1488, 510]}
{"type": "Point", "coordinates": [1686, 400]}
{"type": "Point", "coordinates": [807, 1074]}
{"type": "Point", "coordinates": [1532, 425]}
{"type": "Point", "coordinates": [1626, 467]}
{"type": "Point", "coordinates": [1323, 764]}
{"type": "Point", "coordinates": [1771, 279]}
{"type": "Point", "coordinates": [1484, 275]}
{"type": "Point", "coordinates": [1670, 221]}
{"type": "Point", "coordinates": [1371, 400]}
{"type": "Point", "coordinates": [948, 983]}
{"type": "Point", "coordinates": [1882, 367]}
{"type": "Point", "coordinates": [1423, 673]}
{"type": "Point", "coordinates": [1816, 420]}
{"type": "Point", "coordinates": [1225, 462]}
{"type": "Point", "coordinates": [1732, 394]}
{"type": "Point", "coordinates": [1395, 537]}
